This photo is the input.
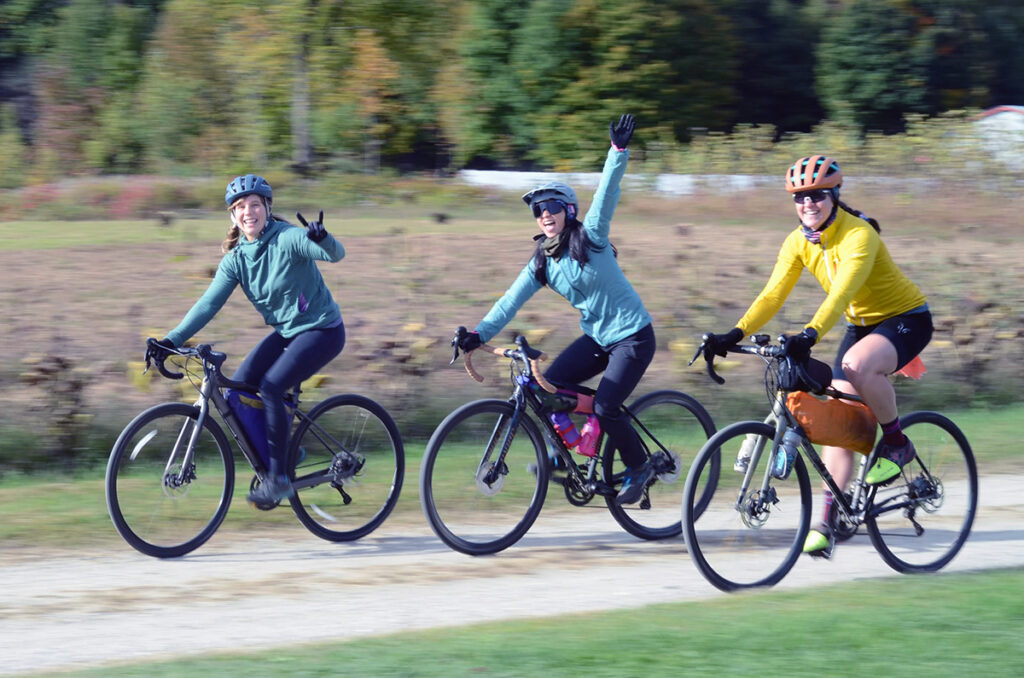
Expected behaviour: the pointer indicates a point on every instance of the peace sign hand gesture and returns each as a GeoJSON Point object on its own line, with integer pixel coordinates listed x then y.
{"type": "Point", "coordinates": [315, 230]}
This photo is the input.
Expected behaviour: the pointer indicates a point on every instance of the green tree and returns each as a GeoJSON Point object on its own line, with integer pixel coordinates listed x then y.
{"type": "Point", "coordinates": [13, 151]}
{"type": "Point", "coordinates": [880, 60]}
{"type": "Point", "coordinates": [776, 65]}
{"type": "Point", "coordinates": [672, 63]}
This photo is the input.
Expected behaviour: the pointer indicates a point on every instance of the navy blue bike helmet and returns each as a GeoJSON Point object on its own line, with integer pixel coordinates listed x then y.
{"type": "Point", "coordinates": [249, 184]}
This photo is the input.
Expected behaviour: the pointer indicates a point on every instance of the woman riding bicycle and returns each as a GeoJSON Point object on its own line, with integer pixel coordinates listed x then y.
{"type": "Point", "coordinates": [577, 261]}
{"type": "Point", "coordinates": [888, 321]}
{"type": "Point", "coordinates": [275, 264]}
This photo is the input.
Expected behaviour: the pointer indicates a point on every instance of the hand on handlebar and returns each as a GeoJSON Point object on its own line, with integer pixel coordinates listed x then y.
{"type": "Point", "coordinates": [719, 344]}
{"type": "Point", "coordinates": [798, 346]}
{"type": "Point", "coordinates": [465, 341]}
{"type": "Point", "coordinates": [157, 352]}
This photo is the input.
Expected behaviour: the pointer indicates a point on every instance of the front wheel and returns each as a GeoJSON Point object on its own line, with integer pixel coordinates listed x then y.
{"type": "Point", "coordinates": [484, 476]}
{"type": "Point", "coordinates": [164, 504]}
{"type": "Point", "coordinates": [752, 529]}
{"type": "Point", "coordinates": [921, 521]}
{"type": "Point", "coordinates": [348, 466]}
{"type": "Point", "coordinates": [673, 427]}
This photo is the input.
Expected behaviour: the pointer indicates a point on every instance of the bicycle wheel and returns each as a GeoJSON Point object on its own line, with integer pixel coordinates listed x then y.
{"type": "Point", "coordinates": [348, 465]}
{"type": "Point", "coordinates": [159, 509]}
{"type": "Point", "coordinates": [753, 528]}
{"type": "Point", "coordinates": [920, 522]}
{"type": "Point", "coordinates": [475, 503]}
{"type": "Point", "coordinates": [678, 423]}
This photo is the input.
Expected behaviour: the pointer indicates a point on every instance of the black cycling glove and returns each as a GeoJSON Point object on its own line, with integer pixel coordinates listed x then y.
{"type": "Point", "coordinates": [622, 132]}
{"type": "Point", "coordinates": [314, 229]}
{"type": "Point", "coordinates": [719, 344]}
{"type": "Point", "coordinates": [798, 346]}
{"type": "Point", "coordinates": [470, 341]}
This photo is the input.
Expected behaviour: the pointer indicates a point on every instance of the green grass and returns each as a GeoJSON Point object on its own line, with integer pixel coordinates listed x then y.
{"type": "Point", "coordinates": [72, 511]}
{"type": "Point", "coordinates": [942, 625]}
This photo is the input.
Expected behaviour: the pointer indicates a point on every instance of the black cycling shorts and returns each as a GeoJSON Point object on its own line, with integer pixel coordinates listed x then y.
{"type": "Point", "coordinates": [909, 333]}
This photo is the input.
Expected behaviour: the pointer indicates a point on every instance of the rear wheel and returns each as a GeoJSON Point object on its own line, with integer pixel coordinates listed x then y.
{"type": "Point", "coordinates": [161, 505]}
{"type": "Point", "coordinates": [921, 521]}
{"type": "Point", "coordinates": [349, 464]}
{"type": "Point", "coordinates": [752, 530]}
{"type": "Point", "coordinates": [673, 427]}
{"type": "Point", "coordinates": [475, 500]}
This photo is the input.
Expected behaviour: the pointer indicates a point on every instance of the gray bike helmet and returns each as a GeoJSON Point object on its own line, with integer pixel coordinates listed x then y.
{"type": "Point", "coordinates": [249, 184]}
{"type": "Point", "coordinates": [556, 190]}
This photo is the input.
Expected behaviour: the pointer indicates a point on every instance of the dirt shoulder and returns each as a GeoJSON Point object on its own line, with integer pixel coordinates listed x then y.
{"type": "Point", "coordinates": [115, 605]}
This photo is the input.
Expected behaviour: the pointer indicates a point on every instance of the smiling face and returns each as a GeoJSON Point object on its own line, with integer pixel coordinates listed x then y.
{"type": "Point", "coordinates": [813, 208]}
{"type": "Point", "coordinates": [250, 215]}
{"type": "Point", "coordinates": [551, 224]}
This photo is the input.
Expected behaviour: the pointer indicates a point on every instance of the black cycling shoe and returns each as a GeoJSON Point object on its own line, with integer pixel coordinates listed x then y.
{"type": "Point", "coordinates": [634, 482]}
{"type": "Point", "coordinates": [270, 492]}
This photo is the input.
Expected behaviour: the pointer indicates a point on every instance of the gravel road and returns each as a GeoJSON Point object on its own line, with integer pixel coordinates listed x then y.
{"type": "Point", "coordinates": [63, 610]}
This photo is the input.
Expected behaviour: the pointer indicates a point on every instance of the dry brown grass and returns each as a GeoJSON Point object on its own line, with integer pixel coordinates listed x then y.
{"type": "Point", "coordinates": [407, 281]}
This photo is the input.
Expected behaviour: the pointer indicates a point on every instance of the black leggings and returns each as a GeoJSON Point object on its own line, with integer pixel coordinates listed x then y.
{"type": "Point", "coordinates": [277, 365]}
{"type": "Point", "coordinates": [623, 364]}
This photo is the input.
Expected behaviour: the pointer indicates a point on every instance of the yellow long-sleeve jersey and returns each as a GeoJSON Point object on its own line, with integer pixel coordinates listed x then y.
{"type": "Point", "coordinates": [854, 268]}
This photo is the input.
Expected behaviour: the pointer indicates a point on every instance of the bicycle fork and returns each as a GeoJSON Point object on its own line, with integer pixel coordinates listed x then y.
{"type": "Point", "coordinates": [191, 430]}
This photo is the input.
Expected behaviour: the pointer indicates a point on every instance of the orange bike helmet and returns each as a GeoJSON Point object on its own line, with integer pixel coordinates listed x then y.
{"type": "Point", "coordinates": [814, 171]}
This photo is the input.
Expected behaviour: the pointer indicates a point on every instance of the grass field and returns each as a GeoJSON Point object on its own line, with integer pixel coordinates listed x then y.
{"type": "Point", "coordinates": [71, 512]}
{"type": "Point", "coordinates": [936, 626]}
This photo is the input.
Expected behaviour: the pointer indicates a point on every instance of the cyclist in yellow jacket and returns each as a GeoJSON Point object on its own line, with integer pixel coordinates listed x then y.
{"type": "Point", "coordinates": [887, 318]}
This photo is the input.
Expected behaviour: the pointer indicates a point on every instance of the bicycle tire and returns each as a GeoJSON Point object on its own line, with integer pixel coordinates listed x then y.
{"type": "Point", "coordinates": [738, 542]}
{"type": "Point", "coordinates": [154, 513]}
{"type": "Point", "coordinates": [680, 423]}
{"type": "Point", "coordinates": [347, 462]}
{"type": "Point", "coordinates": [471, 509]}
{"type": "Point", "coordinates": [941, 487]}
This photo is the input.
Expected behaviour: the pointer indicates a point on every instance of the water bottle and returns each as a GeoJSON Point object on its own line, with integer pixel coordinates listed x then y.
{"type": "Point", "coordinates": [791, 441]}
{"type": "Point", "coordinates": [588, 437]}
{"type": "Point", "coordinates": [745, 453]}
{"type": "Point", "coordinates": [566, 429]}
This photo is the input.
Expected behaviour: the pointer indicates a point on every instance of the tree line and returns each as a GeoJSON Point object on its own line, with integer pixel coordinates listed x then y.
{"type": "Point", "coordinates": [189, 86]}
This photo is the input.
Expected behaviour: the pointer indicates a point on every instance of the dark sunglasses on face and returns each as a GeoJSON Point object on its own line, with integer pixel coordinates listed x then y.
{"type": "Point", "coordinates": [552, 207]}
{"type": "Point", "coordinates": [816, 195]}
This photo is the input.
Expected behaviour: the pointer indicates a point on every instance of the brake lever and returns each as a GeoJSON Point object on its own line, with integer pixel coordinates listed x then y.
{"type": "Point", "coordinates": [709, 361]}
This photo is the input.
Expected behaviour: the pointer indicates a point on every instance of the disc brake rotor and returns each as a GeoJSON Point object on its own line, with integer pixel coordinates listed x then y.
{"type": "Point", "coordinates": [489, 481]}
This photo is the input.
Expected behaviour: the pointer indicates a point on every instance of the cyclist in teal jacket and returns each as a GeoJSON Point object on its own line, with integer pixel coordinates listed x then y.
{"type": "Point", "coordinates": [577, 260]}
{"type": "Point", "coordinates": [274, 262]}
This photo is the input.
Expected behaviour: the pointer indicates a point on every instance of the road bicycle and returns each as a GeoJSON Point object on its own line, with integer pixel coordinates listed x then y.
{"type": "Point", "coordinates": [171, 473]}
{"type": "Point", "coordinates": [753, 530]}
{"type": "Point", "coordinates": [487, 466]}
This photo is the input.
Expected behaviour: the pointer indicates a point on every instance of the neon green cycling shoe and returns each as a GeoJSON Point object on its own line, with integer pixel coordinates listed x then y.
{"type": "Point", "coordinates": [889, 462]}
{"type": "Point", "coordinates": [820, 543]}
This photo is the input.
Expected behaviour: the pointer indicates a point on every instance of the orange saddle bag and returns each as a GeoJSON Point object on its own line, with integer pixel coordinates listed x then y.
{"type": "Point", "coordinates": [834, 422]}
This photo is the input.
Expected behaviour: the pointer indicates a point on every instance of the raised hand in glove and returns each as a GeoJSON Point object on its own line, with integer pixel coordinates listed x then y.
{"type": "Point", "coordinates": [719, 344]}
{"type": "Point", "coordinates": [622, 131]}
{"type": "Point", "coordinates": [314, 229]}
{"type": "Point", "coordinates": [798, 346]}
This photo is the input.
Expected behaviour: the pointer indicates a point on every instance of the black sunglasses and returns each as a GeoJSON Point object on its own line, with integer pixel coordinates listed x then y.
{"type": "Point", "coordinates": [817, 195]}
{"type": "Point", "coordinates": [552, 207]}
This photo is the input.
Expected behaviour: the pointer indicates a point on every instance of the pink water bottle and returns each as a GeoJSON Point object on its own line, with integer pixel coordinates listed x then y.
{"type": "Point", "coordinates": [566, 429]}
{"type": "Point", "coordinates": [588, 437]}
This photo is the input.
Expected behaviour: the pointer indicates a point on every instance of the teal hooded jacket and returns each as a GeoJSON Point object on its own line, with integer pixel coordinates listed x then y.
{"type": "Point", "coordinates": [279, 275]}
{"type": "Point", "coordinates": [610, 309]}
